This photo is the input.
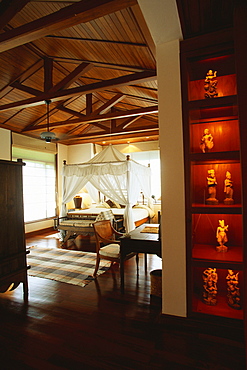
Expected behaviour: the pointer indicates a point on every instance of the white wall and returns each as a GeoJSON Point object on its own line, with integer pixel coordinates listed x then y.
{"type": "Point", "coordinates": [162, 19]}
{"type": "Point", "coordinates": [72, 154]}
{"type": "Point", "coordinates": [38, 225]}
{"type": "Point", "coordinates": [172, 180]}
{"type": "Point", "coordinates": [62, 155]}
{"type": "Point", "coordinates": [5, 144]}
{"type": "Point", "coordinates": [80, 153]}
{"type": "Point", "coordinates": [163, 22]}
{"type": "Point", "coordinates": [138, 147]}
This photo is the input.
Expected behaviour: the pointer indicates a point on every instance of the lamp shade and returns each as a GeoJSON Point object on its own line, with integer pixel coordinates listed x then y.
{"type": "Point", "coordinates": [48, 136]}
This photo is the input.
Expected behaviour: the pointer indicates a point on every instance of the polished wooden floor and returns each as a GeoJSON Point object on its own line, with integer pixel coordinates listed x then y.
{"type": "Point", "coordinates": [68, 327]}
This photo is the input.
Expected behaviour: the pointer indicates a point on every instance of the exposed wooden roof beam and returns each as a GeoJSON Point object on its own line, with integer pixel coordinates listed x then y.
{"type": "Point", "coordinates": [119, 67]}
{"type": "Point", "coordinates": [85, 128]}
{"type": "Point", "coordinates": [70, 111]}
{"type": "Point", "coordinates": [109, 104]}
{"type": "Point", "coordinates": [98, 118]}
{"type": "Point", "coordinates": [72, 77]}
{"type": "Point", "coordinates": [128, 122]}
{"type": "Point", "coordinates": [64, 83]}
{"type": "Point", "coordinates": [135, 44]}
{"type": "Point", "coordinates": [106, 106]}
{"type": "Point", "coordinates": [134, 132]}
{"type": "Point", "coordinates": [43, 117]}
{"type": "Point", "coordinates": [48, 74]}
{"type": "Point", "coordinates": [86, 89]}
{"type": "Point", "coordinates": [29, 72]}
{"type": "Point", "coordinates": [81, 12]}
{"type": "Point", "coordinates": [8, 9]}
{"type": "Point", "coordinates": [25, 88]}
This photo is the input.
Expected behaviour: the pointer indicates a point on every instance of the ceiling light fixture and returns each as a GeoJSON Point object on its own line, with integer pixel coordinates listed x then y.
{"type": "Point", "coordinates": [48, 136]}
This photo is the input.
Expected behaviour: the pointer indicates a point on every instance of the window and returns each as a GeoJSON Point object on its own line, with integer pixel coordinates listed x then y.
{"type": "Point", "coordinates": [151, 158]}
{"type": "Point", "coordinates": [39, 184]}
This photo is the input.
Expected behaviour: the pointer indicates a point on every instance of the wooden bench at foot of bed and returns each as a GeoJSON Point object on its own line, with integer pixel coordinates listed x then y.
{"type": "Point", "coordinates": [78, 233]}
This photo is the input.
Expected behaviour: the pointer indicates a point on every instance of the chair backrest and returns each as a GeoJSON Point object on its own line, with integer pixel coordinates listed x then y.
{"type": "Point", "coordinates": [103, 230]}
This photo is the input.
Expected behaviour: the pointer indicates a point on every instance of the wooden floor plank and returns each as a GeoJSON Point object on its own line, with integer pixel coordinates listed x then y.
{"type": "Point", "coordinates": [96, 327]}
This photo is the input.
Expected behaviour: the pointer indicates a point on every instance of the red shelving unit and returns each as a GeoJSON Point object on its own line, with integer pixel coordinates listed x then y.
{"type": "Point", "coordinates": [220, 116]}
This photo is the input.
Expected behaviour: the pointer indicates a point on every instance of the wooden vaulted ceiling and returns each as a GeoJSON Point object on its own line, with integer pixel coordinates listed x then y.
{"type": "Point", "coordinates": [93, 61]}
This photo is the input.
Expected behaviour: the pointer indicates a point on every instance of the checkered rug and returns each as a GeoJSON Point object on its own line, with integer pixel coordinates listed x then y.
{"type": "Point", "coordinates": [72, 267]}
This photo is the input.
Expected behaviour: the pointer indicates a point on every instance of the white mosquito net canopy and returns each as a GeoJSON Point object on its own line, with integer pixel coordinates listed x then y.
{"type": "Point", "coordinates": [117, 177]}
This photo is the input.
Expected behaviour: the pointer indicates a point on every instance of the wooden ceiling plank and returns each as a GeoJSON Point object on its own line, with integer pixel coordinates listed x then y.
{"type": "Point", "coordinates": [100, 110]}
{"type": "Point", "coordinates": [81, 12]}
{"type": "Point", "coordinates": [52, 112]}
{"type": "Point", "coordinates": [119, 67]}
{"type": "Point", "coordinates": [144, 29]}
{"type": "Point", "coordinates": [97, 86]}
{"type": "Point", "coordinates": [85, 128]}
{"type": "Point", "coordinates": [74, 129]}
{"type": "Point", "coordinates": [89, 109]}
{"type": "Point", "coordinates": [100, 118]}
{"type": "Point", "coordinates": [29, 72]}
{"type": "Point", "coordinates": [72, 77]}
{"type": "Point", "coordinates": [41, 118]}
{"type": "Point", "coordinates": [71, 111]}
{"type": "Point", "coordinates": [102, 41]}
{"type": "Point", "coordinates": [8, 9]}
{"type": "Point", "coordinates": [104, 128]}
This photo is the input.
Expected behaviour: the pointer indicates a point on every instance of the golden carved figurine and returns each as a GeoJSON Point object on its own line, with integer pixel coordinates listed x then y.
{"type": "Point", "coordinates": [233, 293]}
{"type": "Point", "coordinates": [210, 85]}
{"type": "Point", "coordinates": [212, 183]}
{"type": "Point", "coordinates": [206, 141]}
{"type": "Point", "coordinates": [221, 236]}
{"type": "Point", "coordinates": [210, 278]}
{"type": "Point", "coordinates": [228, 189]}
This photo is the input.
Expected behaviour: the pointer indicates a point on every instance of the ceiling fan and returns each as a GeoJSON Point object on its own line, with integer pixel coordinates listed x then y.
{"type": "Point", "coordinates": [48, 136]}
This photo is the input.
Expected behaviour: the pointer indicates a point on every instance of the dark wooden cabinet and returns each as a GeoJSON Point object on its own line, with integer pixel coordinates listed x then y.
{"type": "Point", "coordinates": [220, 116]}
{"type": "Point", "coordinates": [13, 264]}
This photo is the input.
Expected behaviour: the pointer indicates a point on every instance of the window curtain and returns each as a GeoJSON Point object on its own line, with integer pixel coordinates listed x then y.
{"type": "Point", "coordinates": [119, 181]}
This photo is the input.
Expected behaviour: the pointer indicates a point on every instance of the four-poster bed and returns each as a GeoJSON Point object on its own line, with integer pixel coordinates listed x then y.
{"type": "Point", "coordinates": [116, 177]}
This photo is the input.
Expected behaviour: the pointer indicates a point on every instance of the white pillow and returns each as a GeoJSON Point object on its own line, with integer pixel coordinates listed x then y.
{"type": "Point", "coordinates": [103, 205]}
{"type": "Point", "coordinates": [86, 200]}
{"type": "Point", "coordinates": [116, 205]}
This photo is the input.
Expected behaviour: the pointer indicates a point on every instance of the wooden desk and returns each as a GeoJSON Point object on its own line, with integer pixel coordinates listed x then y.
{"type": "Point", "coordinates": [136, 241]}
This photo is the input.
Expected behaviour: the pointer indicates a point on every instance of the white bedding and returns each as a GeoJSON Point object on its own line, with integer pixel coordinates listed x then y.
{"type": "Point", "coordinates": [139, 212]}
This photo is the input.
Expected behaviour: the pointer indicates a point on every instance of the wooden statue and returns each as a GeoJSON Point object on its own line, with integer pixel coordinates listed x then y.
{"type": "Point", "coordinates": [212, 183]}
{"type": "Point", "coordinates": [228, 189]}
{"type": "Point", "coordinates": [233, 293]}
{"type": "Point", "coordinates": [206, 141]}
{"type": "Point", "coordinates": [210, 278]}
{"type": "Point", "coordinates": [221, 236]}
{"type": "Point", "coordinates": [210, 84]}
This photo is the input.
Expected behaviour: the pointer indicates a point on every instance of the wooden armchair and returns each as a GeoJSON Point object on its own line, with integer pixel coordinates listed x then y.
{"type": "Point", "coordinates": [107, 247]}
